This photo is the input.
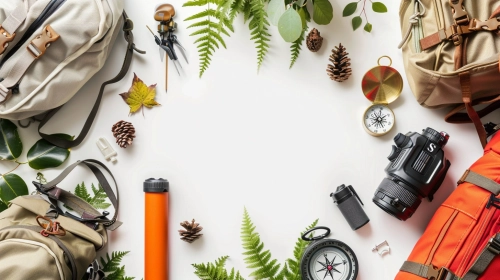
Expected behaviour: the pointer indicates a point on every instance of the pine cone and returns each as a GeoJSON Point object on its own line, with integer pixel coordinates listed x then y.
{"type": "Point", "coordinates": [124, 132]}
{"type": "Point", "coordinates": [314, 40]}
{"type": "Point", "coordinates": [191, 233]}
{"type": "Point", "coordinates": [339, 70]}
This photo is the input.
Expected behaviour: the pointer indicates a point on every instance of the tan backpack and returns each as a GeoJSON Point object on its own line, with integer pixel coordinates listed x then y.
{"type": "Point", "coordinates": [451, 50]}
{"type": "Point", "coordinates": [40, 241]}
{"type": "Point", "coordinates": [50, 48]}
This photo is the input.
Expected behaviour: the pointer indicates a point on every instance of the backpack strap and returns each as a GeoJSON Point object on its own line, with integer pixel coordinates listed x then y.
{"type": "Point", "coordinates": [13, 21]}
{"type": "Point", "coordinates": [428, 271]}
{"type": "Point", "coordinates": [489, 252]}
{"type": "Point", "coordinates": [88, 214]}
{"type": "Point", "coordinates": [63, 143]}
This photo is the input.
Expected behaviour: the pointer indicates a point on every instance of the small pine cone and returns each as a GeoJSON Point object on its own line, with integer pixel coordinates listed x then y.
{"type": "Point", "coordinates": [314, 40]}
{"type": "Point", "coordinates": [191, 232]}
{"type": "Point", "coordinates": [124, 132]}
{"type": "Point", "coordinates": [339, 70]}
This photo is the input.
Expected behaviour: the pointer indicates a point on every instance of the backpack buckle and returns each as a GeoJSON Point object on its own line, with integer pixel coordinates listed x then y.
{"type": "Point", "coordinates": [39, 45]}
{"type": "Point", "coordinates": [438, 274]}
{"type": "Point", "coordinates": [5, 39]}
{"type": "Point", "coordinates": [492, 24]}
{"type": "Point", "coordinates": [460, 15]}
{"type": "Point", "coordinates": [494, 244]}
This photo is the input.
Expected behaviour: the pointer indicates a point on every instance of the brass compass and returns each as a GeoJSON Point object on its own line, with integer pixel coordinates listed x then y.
{"type": "Point", "coordinates": [381, 85]}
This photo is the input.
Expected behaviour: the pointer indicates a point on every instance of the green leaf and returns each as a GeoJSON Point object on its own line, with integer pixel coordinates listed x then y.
{"type": "Point", "coordinates": [111, 264]}
{"type": "Point", "coordinates": [45, 155]}
{"type": "Point", "coordinates": [356, 22]}
{"type": "Point", "coordinates": [11, 145]}
{"type": "Point", "coordinates": [322, 11]}
{"type": "Point", "coordinates": [290, 25]}
{"type": "Point", "coordinates": [368, 27]}
{"type": "Point", "coordinates": [211, 271]}
{"type": "Point", "coordinates": [11, 186]}
{"type": "Point", "coordinates": [3, 206]}
{"type": "Point", "coordinates": [379, 7]}
{"type": "Point", "coordinates": [258, 26]}
{"type": "Point", "coordinates": [305, 16]}
{"type": "Point", "coordinates": [275, 10]}
{"type": "Point", "coordinates": [350, 9]}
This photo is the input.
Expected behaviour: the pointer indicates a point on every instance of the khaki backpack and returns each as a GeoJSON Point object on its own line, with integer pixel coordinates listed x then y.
{"type": "Point", "coordinates": [38, 240]}
{"type": "Point", "coordinates": [50, 48]}
{"type": "Point", "coordinates": [451, 50]}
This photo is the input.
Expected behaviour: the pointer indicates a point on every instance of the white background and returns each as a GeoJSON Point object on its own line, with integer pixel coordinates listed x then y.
{"type": "Point", "coordinates": [277, 142]}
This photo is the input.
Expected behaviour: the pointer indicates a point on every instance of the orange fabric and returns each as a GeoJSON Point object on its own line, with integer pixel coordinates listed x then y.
{"type": "Point", "coordinates": [462, 226]}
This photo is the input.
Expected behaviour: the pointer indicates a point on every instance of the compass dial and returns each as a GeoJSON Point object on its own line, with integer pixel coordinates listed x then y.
{"type": "Point", "coordinates": [378, 120]}
{"type": "Point", "coordinates": [329, 259]}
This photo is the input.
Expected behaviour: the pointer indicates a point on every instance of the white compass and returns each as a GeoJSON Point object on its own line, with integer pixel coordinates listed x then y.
{"type": "Point", "coordinates": [378, 119]}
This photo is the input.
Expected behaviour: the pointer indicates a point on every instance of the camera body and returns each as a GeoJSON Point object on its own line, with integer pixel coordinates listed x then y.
{"type": "Point", "coordinates": [416, 170]}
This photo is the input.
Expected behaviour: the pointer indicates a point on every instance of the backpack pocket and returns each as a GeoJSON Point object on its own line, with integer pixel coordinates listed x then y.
{"type": "Point", "coordinates": [44, 263]}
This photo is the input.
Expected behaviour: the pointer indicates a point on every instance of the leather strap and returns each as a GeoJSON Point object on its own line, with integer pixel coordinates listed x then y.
{"type": "Point", "coordinates": [467, 99]}
{"type": "Point", "coordinates": [480, 181]}
{"type": "Point", "coordinates": [87, 213]}
{"type": "Point", "coordinates": [63, 143]}
{"type": "Point", "coordinates": [17, 16]}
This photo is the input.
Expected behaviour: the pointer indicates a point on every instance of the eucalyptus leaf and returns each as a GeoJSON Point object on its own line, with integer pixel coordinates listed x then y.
{"type": "Point", "coordinates": [350, 9]}
{"type": "Point", "coordinates": [379, 7]}
{"type": "Point", "coordinates": [275, 10]}
{"type": "Point", "coordinates": [11, 186]}
{"type": "Point", "coordinates": [322, 11]}
{"type": "Point", "coordinates": [11, 145]}
{"type": "Point", "coordinates": [356, 22]}
{"type": "Point", "coordinates": [368, 27]}
{"type": "Point", "coordinates": [290, 25]}
{"type": "Point", "coordinates": [45, 155]}
{"type": "Point", "coordinates": [305, 16]}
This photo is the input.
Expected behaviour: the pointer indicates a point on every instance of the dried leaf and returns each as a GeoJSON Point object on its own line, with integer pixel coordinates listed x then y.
{"type": "Point", "coordinates": [140, 95]}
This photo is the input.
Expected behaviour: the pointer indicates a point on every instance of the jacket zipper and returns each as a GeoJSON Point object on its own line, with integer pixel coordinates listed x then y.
{"type": "Point", "coordinates": [53, 6]}
{"type": "Point", "coordinates": [57, 241]}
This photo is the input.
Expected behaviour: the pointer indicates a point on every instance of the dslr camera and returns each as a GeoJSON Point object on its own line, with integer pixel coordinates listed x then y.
{"type": "Point", "coordinates": [416, 170]}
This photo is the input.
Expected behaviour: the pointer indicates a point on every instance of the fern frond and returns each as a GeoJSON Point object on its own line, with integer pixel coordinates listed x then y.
{"type": "Point", "coordinates": [259, 26]}
{"type": "Point", "coordinates": [211, 271]}
{"type": "Point", "coordinates": [198, 3]}
{"type": "Point", "coordinates": [118, 274]}
{"type": "Point", "coordinates": [212, 22]}
{"type": "Point", "coordinates": [81, 192]}
{"type": "Point", "coordinates": [256, 258]}
{"type": "Point", "coordinates": [296, 46]}
{"type": "Point", "coordinates": [98, 201]}
{"type": "Point", "coordinates": [247, 10]}
{"type": "Point", "coordinates": [112, 263]}
{"type": "Point", "coordinates": [294, 264]}
{"type": "Point", "coordinates": [236, 8]}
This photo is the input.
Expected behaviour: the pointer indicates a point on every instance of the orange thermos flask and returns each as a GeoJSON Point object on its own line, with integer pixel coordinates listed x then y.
{"type": "Point", "coordinates": [156, 229]}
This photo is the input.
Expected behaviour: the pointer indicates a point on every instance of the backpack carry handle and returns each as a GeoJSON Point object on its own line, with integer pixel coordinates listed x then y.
{"type": "Point", "coordinates": [63, 143]}
{"type": "Point", "coordinates": [88, 214]}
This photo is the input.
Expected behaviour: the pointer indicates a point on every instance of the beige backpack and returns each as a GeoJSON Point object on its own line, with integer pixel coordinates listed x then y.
{"type": "Point", "coordinates": [50, 48]}
{"type": "Point", "coordinates": [40, 241]}
{"type": "Point", "coordinates": [451, 50]}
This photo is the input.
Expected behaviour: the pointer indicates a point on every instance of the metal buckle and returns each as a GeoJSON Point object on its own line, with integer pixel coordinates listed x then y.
{"type": "Point", "coordinates": [437, 274]}
{"type": "Point", "coordinates": [39, 45]}
{"type": "Point", "coordinates": [494, 244]}
{"type": "Point", "coordinates": [456, 35]}
{"type": "Point", "coordinates": [460, 15]}
{"type": "Point", "coordinates": [5, 39]}
{"type": "Point", "coordinates": [492, 24]}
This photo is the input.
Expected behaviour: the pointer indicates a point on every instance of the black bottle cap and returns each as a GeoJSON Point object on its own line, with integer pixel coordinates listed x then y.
{"type": "Point", "coordinates": [156, 185]}
{"type": "Point", "coordinates": [343, 193]}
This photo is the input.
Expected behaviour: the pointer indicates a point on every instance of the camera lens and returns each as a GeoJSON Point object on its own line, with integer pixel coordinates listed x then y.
{"type": "Point", "coordinates": [396, 199]}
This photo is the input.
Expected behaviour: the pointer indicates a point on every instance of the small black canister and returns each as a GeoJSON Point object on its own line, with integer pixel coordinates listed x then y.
{"type": "Point", "coordinates": [348, 202]}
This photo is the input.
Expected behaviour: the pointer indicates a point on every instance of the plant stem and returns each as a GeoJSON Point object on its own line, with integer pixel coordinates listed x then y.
{"type": "Point", "coordinates": [364, 10]}
{"type": "Point", "coordinates": [19, 164]}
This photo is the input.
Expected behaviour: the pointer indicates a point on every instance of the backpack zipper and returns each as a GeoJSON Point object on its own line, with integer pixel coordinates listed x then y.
{"type": "Point", "coordinates": [53, 6]}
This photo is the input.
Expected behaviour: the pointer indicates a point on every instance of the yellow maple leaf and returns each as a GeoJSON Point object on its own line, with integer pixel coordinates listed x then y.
{"type": "Point", "coordinates": [140, 95]}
